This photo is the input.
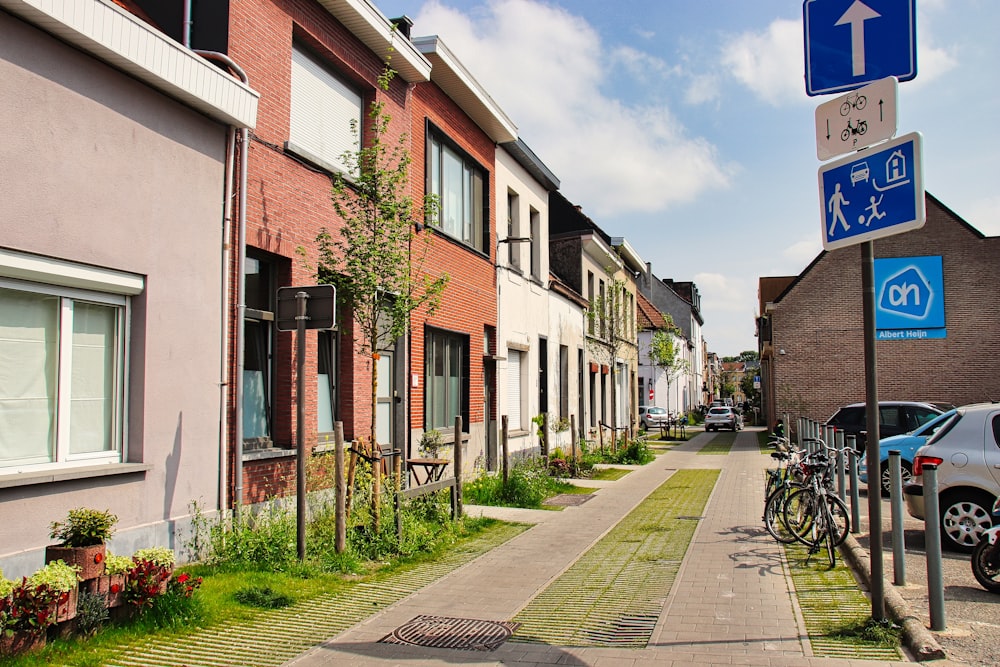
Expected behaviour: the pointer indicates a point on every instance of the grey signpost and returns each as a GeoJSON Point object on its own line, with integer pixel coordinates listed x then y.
{"type": "Point", "coordinates": [870, 194]}
{"type": "Point", "coordinates": [301, 308]}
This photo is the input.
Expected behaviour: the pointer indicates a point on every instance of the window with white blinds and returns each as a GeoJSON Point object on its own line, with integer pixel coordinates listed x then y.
{"type": "Point", "coordinates": [325, 113]}
{"type": "Point", "coordinates": [514, 368]}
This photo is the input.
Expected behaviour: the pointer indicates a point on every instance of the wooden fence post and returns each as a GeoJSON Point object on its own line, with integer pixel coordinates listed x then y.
{"type": "Point", "coordinates": [340, 492]}
{"type": "Point", "coordinates": [505, 445]}
{"type": "Point", "coordinates": [458, 466]}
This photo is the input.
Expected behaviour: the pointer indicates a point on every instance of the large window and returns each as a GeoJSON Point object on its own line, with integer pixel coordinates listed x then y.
{"type": "Point", "coordinates": [325, 113]}
{"type": "Point", "coordinates": [62, 371]}
{"type": "Point", "coordinates": [447, 380]}
{"type": "Point", "coordinates": [326, 381]}
{"type": "Point", "coordinates": [258, 341]}
{"type": "Point", "coordinates": [460, 185]}
{"type": "Point", "coordinates": [515, 378]}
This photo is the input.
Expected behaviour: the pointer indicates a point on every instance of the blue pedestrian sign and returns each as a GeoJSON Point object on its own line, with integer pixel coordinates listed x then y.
{"type": "Point", "coordinates": [873, 193]}
{"type": "Point", "coordinates": [849, 43]}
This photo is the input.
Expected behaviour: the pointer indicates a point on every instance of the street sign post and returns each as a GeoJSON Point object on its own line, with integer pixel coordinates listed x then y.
{"type": "Point", "coordinates": [849, 43]}
{"type": "Point", "coordinates": [857, 120]}
{"type": "Point", "coordinates": [872, 194]}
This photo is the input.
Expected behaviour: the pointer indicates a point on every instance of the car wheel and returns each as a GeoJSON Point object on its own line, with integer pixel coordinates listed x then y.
{"type": "Point", "coordinates": [905, 475]}
{"type": "Point", "coordinates": [965, 516]}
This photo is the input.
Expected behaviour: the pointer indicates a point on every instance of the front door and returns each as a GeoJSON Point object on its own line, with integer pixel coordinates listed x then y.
{"type": "Point", "coordinates": [384, 402]}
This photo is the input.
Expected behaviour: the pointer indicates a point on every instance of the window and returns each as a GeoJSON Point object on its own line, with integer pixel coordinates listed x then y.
{"type": "Point", "coordinates": [326, 381]}
{"type": "Point", "coordinates": [563, 382]}
{"type": "Point", "coordinates": [513, 230]}
{"type": "Point", "coordinates": [459, 184]}
{"type": "Point", "coordinates": [535, 245]}
{"type": "Point", "coordinates": [62, 375]}
{"type": "Point", "coordinates": [258, 339]}
{"type": "Point", "coordinates": [325, 118]}
{"type": "Point", "coordinates": [590, 300]}
{"type": "Point", "coordinates": [447, 380]}
{"type": "Point", "coordinates": [515, 378]}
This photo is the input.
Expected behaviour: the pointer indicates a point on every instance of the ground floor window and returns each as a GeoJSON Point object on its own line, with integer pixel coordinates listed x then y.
{"type": "Point", "coordinates": [326, 381]}
{"type": "Point", "coordinates": [447, 380]}
{"type": "Point", "coordinates": [62, 374]}
{"type": "Point", "coordinates": [515, 378]}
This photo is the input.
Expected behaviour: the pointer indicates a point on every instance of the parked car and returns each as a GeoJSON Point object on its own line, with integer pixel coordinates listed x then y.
{"type": "Point", "coordinates": [894, 418]}
{"type": "Point", "coordinates": [966, 450]}
{"type": "Point", "coordinates": [723, 417]}
{"type": "Point", "coordinates": [907, 444]}
{"type": "Point", "coordinates": [651, 417]}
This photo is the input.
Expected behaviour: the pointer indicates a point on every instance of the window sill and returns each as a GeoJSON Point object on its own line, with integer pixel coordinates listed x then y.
{"type": "Point", "coordinates": [67, 474]}
{"type": "Point", "coordinates": [269, 453]}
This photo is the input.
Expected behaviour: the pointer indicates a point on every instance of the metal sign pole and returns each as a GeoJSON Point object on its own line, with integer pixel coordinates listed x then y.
{"type": "Point", "coordinates": [871, 444]}
{"type": "Point", "coordinates": [301, 298]}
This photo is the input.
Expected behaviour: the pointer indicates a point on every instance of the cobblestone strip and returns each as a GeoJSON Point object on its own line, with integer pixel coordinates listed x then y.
{"type": "Point", "coordinates": [275, 637]}
{"type": "Point", "coordinates": [613, 595]}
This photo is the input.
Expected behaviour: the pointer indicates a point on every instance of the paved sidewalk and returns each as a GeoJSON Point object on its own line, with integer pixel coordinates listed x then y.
{"type": "Point", "coordinates": [730, 603]}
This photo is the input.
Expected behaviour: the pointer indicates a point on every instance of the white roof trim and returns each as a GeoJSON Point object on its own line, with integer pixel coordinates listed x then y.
{"type": "Point", "coordinates": [377, 32]}
{"type": "Point", "coordinates": [52, 271]}
{"type": "Point", "coordinates": [124, 41]}
{"type": "Point", "coordinates": [628, 253]}
{"type": "Point", "coordinates": [456, 81]}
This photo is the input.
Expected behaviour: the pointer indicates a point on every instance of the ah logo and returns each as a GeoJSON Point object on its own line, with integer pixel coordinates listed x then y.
{"type": "Point", "coordinates": [908, 293]}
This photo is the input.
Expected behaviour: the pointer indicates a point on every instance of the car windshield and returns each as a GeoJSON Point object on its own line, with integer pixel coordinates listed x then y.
{"type": "Point", "coordinates": [945, 426]}
{"type": "Point", "coordinates": [719, 411]}
{"type": "Point", "coordinates": [656, 411]}
{"type": "Point", "coordinates": [931, 427]}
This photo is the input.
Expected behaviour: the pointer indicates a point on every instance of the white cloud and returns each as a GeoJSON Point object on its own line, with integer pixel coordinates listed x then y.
{"type": "Point", "coordinates": [804, 251]}
{"type": "Point", "coordinates": [703, 89]}
{"type": "Point", "coordinates": [769, 63]}
{"type": "Point", "coordinates": [984, 215]}
{"type": "Point", "coordinates": [548, 70]}
{"type": "Point", "coordinates": [728, 306]}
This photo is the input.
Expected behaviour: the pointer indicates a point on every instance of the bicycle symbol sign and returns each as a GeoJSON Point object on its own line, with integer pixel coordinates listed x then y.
{"type": "Point", "coordinates": [877, 196]}
{"type": "Point", "coordinates": [857, 120]}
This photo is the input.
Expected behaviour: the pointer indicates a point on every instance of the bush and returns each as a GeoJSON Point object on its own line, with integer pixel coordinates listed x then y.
{"type": "Point", "coordinates": [262, 596]}
{"type": "Point", "coordinates": [84, 527]}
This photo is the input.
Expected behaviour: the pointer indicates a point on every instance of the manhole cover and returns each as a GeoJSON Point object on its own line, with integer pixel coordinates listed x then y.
{"type": "Point", "coordinates": [459, 633]}
{"type": "Point", "coordinates": [569, 499]}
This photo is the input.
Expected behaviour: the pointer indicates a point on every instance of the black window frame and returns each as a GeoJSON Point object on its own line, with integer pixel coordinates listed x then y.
{"type": "Point", "coordinates": [432, 134]}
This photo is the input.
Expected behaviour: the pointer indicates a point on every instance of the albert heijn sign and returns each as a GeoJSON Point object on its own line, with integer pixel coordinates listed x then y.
{"type": "Point", "coordinates": [849, 43]}
{"type": "Point", "coordinates": [909, 298]}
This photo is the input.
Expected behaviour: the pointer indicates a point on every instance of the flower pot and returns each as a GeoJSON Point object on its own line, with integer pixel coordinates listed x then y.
{"type": "Point", "coordinates": [65, 606]}
{"type": "Point", "coordinates": [112, 587]}
{"type": "Point", "coordinates": [89, 559]}
{"type": "Point", "coordinates": [21, 642]}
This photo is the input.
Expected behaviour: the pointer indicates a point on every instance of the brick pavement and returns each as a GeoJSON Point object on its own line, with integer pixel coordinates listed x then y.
{"type": "Point", "coordinates": [729, 605]}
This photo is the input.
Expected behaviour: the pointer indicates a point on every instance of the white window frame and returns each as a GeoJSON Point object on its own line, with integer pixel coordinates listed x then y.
{"type": "Point", "coordinates": [325, 117]}
{"type": "Point", "coordinates": [59, 275]}
{"type": "Point", "coordinates": [516, 363]}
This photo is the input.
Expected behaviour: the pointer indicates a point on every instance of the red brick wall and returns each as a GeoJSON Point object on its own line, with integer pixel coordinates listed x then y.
{"type": "Point", "coordinates": [819, 325]}
{"type": "Point", "coordinates": [468, 304]}
{"type": "Point", "coordinates": [290, 202]}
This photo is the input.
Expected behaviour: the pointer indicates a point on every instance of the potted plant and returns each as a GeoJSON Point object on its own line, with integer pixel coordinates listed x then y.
{"type": "Point", "coordinates": [64, 581]}
{"type": "Point", "coordinates": [112, 584]}
{"type": "Point", "coordinates": [162, 557]}
{"type": "Point", "coordinates": [431, 443]}
{"type": "Point", "coordinates": [26, 612]}
{"type": "Point", "coordinates": [82, 540]}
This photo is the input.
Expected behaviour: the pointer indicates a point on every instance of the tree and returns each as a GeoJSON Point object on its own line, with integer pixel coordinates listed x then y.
{"type": "Point", "coordinates": [609, 320]}
{"type": "Point", "coordinates": [665, 355]}
{"type": "Point", "coordinates": [373, 261]}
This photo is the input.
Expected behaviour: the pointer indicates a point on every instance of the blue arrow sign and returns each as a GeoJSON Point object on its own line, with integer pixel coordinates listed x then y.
{"type": "Point", "coordinates": [849, 43]}
{"type": "Point", "coordinates": [872, 193]}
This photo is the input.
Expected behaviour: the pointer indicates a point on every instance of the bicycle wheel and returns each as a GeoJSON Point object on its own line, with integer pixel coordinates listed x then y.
{"type": "Point", "coordinates": [830, 537]}
{"type": "Point", "coordinates": [799, 515]}
{"type": "Point", "coordinates": [773, 521]}
{"type": "Point", "coordinates": [840, 518]}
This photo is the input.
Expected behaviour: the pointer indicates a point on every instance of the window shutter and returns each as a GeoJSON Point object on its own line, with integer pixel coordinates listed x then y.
{"type": "Point", "coordinates": [514, 390]}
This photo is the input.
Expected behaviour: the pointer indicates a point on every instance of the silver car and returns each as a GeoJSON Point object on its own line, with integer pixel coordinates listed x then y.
{"type": "Point", "coordinates": [723, 417]}
{"type": "Point", "coordinates": [966, 451]}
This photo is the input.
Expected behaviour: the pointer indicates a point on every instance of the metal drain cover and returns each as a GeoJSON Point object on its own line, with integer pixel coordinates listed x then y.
{"type": "Point", "coordinates": [466, 634]}
{"type": "Point", "coordinates": [569, 499]}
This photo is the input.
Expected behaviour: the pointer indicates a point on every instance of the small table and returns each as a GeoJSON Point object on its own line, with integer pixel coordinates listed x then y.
{"type": "Point", "coordinates": [433, 469]}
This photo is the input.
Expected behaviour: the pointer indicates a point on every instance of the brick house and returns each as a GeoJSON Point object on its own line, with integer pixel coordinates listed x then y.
{"type": "Point", "coordinates": [812, 338]}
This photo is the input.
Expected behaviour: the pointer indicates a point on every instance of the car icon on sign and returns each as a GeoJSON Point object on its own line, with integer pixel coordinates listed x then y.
{"type": "Point", "coordinates": [859, 172]}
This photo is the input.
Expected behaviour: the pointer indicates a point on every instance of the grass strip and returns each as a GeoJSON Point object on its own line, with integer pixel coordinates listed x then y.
{"type": "Point", "coordinates": [614, 593]}
{"type": "Point", "coordinates": [837, 614]}
{"type": "Point", "coordinates": [720, 444]}
{"type": "Point", "coordinates": [607, 474]}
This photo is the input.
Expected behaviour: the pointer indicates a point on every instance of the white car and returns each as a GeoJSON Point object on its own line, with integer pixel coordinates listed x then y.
{"type": "Point", "coordinates": [651, 417]}
{"type": "Point", "coordinates": [723, 416]}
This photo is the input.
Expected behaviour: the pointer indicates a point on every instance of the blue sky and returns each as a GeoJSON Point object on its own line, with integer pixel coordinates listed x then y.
{"type": "Point", "coordinates": [684, 126]}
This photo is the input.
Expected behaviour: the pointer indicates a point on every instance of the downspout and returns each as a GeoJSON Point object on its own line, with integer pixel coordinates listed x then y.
{"type": "Point", "coordinates": [237, 500]}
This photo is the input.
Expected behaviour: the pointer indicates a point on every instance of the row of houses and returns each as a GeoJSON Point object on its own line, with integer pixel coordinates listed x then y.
{"type": "Point", "coordinates": [169, 169]}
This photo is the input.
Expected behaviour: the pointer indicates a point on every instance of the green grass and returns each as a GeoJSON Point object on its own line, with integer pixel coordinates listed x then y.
{"type": "Point", "coordinates": [608, 474]}
{"type": "Point", "coordinates": [719, 445]}
{"type": "Point", "coordinates": [837, 614]}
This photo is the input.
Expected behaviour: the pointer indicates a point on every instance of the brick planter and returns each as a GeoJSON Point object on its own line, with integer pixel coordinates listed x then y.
{"type": "Point", "coordinates": [89, 559]}
{"type": "Point", "coordinates": [112, 587]}
{"type": "Point", "coordinates": [21, 642]}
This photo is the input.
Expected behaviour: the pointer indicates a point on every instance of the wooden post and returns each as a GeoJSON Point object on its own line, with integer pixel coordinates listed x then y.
{"type": "Point", "coordinates": [458, 466]}
{"type": "Point", "coordinates": [505, 445]}
{"type": "Point", "coordinates": [352, 467]}
{"type": "Point", "coordinates": [600, 436]}
{"type": "Point", "coordinates": [545, 437]}
{"type": "Point", "coordinates": [572, 443]}
{"type": "Point", "coordinates": [340, 493]}
{"type": "Point", "coordinates": [376, 485]}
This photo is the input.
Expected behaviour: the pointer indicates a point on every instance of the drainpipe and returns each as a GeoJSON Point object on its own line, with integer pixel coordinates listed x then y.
{"type": "Point", "coordinates": [244, 141]}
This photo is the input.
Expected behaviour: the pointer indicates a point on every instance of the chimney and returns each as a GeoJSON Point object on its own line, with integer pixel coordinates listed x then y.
{"type": "Point", "coordinates": [403, 25]}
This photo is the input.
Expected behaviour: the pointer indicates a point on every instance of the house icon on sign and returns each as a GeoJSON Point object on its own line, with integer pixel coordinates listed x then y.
{"type": "Point", "coordinates": [895, 167]}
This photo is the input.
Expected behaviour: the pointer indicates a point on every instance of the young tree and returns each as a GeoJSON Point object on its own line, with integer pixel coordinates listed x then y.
{"type": "Point", "coordinates": [665, 354]}
{"type": "Point", "coordinates": [373, 260]}
{"type": "Point", "coordinates": [610, 322]}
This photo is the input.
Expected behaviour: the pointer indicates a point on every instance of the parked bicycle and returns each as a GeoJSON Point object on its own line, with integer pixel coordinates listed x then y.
{"type": "Point", "coordinates": [814, 514]}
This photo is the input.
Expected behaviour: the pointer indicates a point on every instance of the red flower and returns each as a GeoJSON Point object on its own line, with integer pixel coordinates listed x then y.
{"type": "Point", "coordinates": [183, 578]}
